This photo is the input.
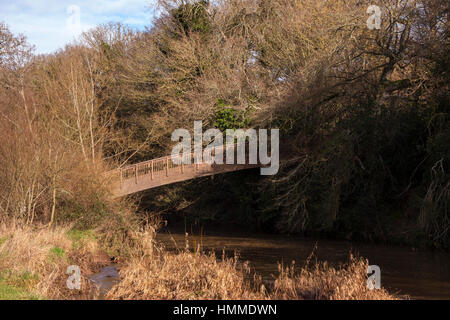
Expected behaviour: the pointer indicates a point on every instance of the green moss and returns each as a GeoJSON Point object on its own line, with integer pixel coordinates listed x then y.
{"type": "Point", "coordinates": [17, 286]}
{"type": "Point", "coordinates": [3, 240]}
{"type": "Point", "coordinates": [57, 253]}
{"type": "Point", "coordinates": [8, 292]}
{"type": "Point", "coordinates": [78, 237]}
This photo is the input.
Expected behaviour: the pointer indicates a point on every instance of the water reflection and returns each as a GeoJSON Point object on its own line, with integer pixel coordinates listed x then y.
{"type": "Point", "coordinates": [105, 279]}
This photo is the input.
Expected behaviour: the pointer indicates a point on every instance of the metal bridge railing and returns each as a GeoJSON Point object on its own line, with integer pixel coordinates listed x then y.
{"type": "Point", "coordinates": [166, 166]}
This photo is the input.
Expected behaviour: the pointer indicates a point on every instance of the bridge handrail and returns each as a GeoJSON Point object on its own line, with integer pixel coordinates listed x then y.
{"type": "Point", "coordinates": [153, 166]}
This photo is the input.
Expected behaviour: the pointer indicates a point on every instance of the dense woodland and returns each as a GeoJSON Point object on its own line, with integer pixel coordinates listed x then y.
{"type": "Point", "coordinates": [369, 109]}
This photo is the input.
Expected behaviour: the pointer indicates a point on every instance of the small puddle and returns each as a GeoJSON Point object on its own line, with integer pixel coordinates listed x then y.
{"type": "Point", "coordinates": [105, 279]}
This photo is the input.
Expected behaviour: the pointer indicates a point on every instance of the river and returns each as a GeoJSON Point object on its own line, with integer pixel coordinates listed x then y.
{"type": "Point", "coordinates": [419, 274]}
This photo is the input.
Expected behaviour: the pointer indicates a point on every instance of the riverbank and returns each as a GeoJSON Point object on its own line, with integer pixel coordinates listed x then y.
{"type": "Point", "coordinates": [34, 261]}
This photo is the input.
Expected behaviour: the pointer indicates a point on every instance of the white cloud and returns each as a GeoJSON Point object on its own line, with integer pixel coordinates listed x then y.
{"type": "Point", "coordinates": [46, 22]}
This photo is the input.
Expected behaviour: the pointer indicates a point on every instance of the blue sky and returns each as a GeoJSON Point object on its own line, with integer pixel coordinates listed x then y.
{"type": "Point", "coordinates": [50, 24]}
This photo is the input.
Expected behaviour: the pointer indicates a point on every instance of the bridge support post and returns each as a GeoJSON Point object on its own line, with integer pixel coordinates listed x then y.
{"type": "Point", "coordinates": [152, 170]}
{"type": "Point", "coordinates": [167, 166]}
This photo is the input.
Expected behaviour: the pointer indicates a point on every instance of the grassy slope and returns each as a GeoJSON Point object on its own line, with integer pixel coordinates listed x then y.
{"type": "Point", "coordinates": [33, 262]}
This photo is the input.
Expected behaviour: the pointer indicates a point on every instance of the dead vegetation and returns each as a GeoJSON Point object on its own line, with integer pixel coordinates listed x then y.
{"type": "Point", "coordinates": [35, 260]}
{"type": "Point", "coordinates": [320, 281]}
{"type": "Point", "coordinates": [184, 276]}
{"type": "Point", "coordinates": [155, 274]}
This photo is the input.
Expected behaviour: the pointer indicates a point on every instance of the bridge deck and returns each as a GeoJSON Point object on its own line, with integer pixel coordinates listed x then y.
{"type": "Point", "coordinates": [166, 170]}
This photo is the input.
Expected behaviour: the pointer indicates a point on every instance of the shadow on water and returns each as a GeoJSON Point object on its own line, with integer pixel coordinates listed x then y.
{"type": "Point", "coordinates": [421, 275]}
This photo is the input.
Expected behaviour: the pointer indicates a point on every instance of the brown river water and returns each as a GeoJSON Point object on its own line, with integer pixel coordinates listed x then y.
{"type": "Point", "coordinates": [419, 274]}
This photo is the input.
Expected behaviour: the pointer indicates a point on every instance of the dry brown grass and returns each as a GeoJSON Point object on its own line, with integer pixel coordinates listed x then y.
{"type": "Point", "coordinates": [45, 254]}
{"type": "Point", "coordinates": [200, 277]}
{"type": "Point", "coordinates": [184, 276]}
{"type": "Point", "coordinates": [35, 261]}
{"type": "Point", "coordinates": [154, 274]}
{"type": "Point", "coordinates": [324, 282]}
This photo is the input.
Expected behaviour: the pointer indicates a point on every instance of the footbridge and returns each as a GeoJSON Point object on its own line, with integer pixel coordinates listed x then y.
{"type": "Point", "coordinates": [171, 169]}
